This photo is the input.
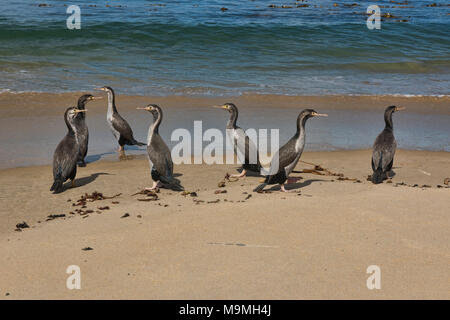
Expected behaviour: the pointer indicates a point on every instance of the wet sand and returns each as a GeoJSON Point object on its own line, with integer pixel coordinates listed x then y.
{"type": "Point", "coordinates": [31, 124]}
{"type": "Point", "coordinates": [48, 104]}
{"type": "Point", "coordinates": [313, 243]}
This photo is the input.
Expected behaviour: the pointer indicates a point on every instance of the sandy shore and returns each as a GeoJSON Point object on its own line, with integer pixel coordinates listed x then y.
{"type": "Point", "coordinates": [314, 243]}
{"type": "Point", "coordinates": [31, 124]}
{"type": "Point", "coordinates": [47, 104]}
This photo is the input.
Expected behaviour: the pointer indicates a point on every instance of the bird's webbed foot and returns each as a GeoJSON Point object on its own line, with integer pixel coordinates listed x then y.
{"type": "Point", "coordinates": [156, 185]}
{"type": "Point", "coordinates": [243, 174]}
{"type": "Point", "coordinates": [283, 189]}
{"type": "Point", "coordinates": [121, 152]}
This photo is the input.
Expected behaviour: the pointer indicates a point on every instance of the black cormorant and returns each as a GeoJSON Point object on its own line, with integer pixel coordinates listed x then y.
{"type": "Point", "coordinates": [119, 127]}
{"type": "Point", "coordinates": [241, 142]}
{"type": "Point", "coordinates": [161, 165]}
{"type": "Point", "coordinates": [289, 154]}
{"type": "Point", "coordinates": [82, 129]}
{"type": "Point", "coordinates": [66, 153]}
{"type": "Point", "coordinates": [384, 148]}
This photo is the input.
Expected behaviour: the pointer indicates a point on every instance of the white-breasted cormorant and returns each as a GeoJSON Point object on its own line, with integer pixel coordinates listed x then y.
{"type": "Point", "coordinates": [82, 129]}
{"type": "Point", "coordinates": [66, 153]}
{"type": "Point", "coordinates": [119, 127]}
{"type": "Point", "coordinates": [289, 154]}
{"type": "Point", "coordinates": [384, 148]}
{"type": "Point", "coordinates": [159, 156]}
{"type": "Point", "coordinates": [241, 142]}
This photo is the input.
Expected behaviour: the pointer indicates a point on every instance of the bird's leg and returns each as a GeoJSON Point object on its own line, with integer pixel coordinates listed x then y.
{"type": "Point", "coordinates": [156, 185]}
{"type": "Point", "coordinates": [284, 190]}
{"type": "Point", "coordinates": [72, 183]}
{"type": "Point", "coordinates": [121, 152]}
{"type": "Point", "coordinates": [241, 175]}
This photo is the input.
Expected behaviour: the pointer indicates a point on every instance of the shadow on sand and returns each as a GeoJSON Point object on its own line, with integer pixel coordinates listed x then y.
{"type": "Point", "coordinates": [294, 186]}
{"type": "Point", "coordinates": [84, 181]}
{"type": "Point", "coordinates": [96, 157]}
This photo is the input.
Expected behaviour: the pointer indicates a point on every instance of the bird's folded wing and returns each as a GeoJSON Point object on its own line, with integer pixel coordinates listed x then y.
{"type": "Point", "coordinates": [120, 125]}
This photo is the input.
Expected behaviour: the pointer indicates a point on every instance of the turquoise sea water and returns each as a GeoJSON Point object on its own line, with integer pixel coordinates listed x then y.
{"type": "Point", "coordinates": [186, 47]}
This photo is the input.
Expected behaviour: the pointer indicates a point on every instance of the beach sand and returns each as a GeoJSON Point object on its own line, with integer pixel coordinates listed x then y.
{"type": "Point", "coordinates": [312, 244]}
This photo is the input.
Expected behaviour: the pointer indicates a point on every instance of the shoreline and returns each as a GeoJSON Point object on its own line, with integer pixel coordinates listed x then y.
{"type": "Point", "coordinates": [435, 104]}
{"type": "Point", "coordinates": [31, 124]}
{"type": "Point", "coordinates": [233, 244]}
{"type": "Point", "coordinates": [132, 156]}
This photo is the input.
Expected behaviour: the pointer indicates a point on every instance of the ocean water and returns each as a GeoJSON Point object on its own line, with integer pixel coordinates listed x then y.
{"type": "Point", "coordinates": [185, 47]}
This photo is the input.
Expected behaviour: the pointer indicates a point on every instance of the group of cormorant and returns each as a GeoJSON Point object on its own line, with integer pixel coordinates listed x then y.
{"type": "Point", "coordinates": [72, 150]}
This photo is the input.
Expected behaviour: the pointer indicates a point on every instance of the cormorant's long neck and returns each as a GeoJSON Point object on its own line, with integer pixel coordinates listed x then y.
{"type": "Point", "coordinates": [156, 122]}
{"type": "Point", "coordinates": [388, 121]}
{"type": "Point", "coordinates": [81, 106]}
{"type": "Point", "coordinates": [233, 118]}
{"type": "Point", "coordinates": [300, 134]}
{"type": "Point", "coordinates": [301, 121]}
{"type": "Point", "coordinates": [70, 128]}
{"type": "Point", "coordinates": [154, 127]}
{"type": "Point", "coordinates": [111, 103]}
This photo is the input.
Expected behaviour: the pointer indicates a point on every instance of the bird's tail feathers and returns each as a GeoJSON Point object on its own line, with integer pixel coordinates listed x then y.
{"type": "Point", "coordinates": [172, 183]}
{"type": "Point", "coordinates": [260, 187]}
{"type": "Point", "coordinates": [57, 185]}
{"type": "Point", "coordinates": [137, 143]}
{"type": "Point", "coordinates": [378, 174]}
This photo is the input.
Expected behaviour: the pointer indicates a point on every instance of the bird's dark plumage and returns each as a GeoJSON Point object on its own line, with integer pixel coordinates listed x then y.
{"type": "Point", "coordinates": [66, 154]}
{"type": "Point", "coordinates": [82, 131]}
{"type": "Point", "coordinates": [159, 155]}
{"type": "Point", "coordinates": [384, 148]}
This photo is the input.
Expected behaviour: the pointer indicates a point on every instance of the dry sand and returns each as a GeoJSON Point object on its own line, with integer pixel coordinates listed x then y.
{"type": "Point", "coordinates": [316, 244]}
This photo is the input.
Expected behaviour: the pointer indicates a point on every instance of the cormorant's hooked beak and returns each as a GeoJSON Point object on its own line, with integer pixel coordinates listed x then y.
{"type": "Point", "coordinates": [100, 89]}
{"type": "Point", "coordinates": [145, 108]}
{"type": "Point", "coordinates": [221, 107]}
{"type": "Point", "coordinates": [78, 111]}
{"type": "Point", "coordinates": [399, 108]}
{"type": "Point", "coordinates": [95, 98]}
{"type": "Point", "coordinates": [315, 114]}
